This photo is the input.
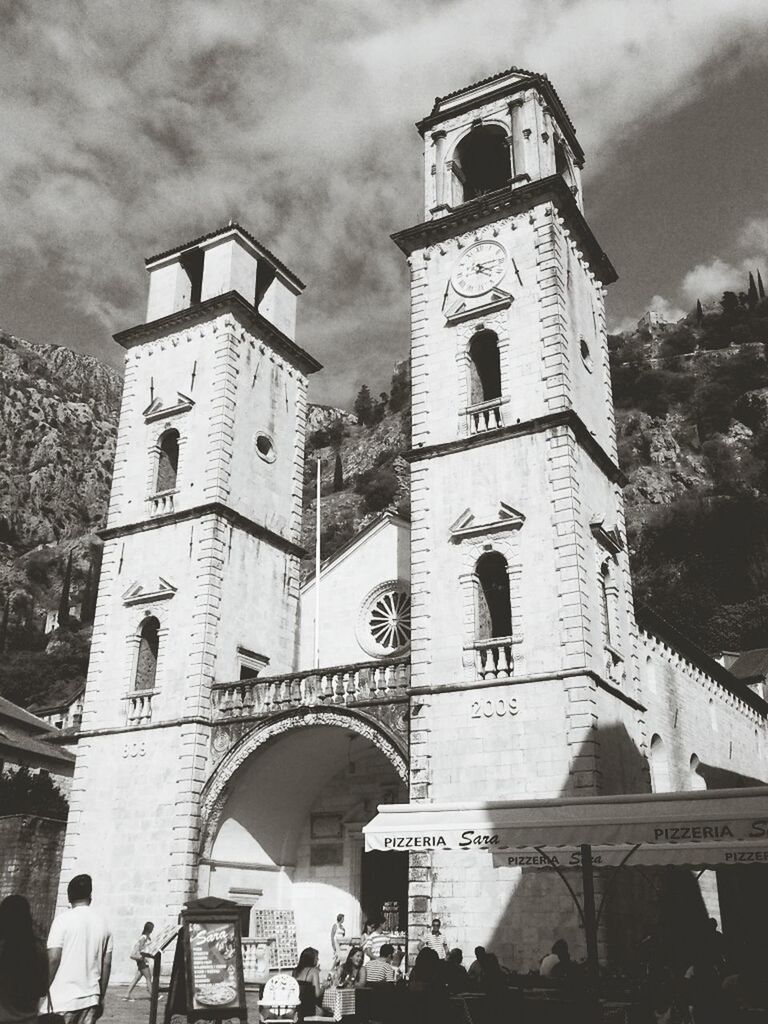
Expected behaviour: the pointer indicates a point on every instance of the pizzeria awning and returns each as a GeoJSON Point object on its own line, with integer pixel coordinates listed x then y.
{"type": "Point", "coordinates": [666, 819]}
{"type": "Point", "coordinates": [698, 856]}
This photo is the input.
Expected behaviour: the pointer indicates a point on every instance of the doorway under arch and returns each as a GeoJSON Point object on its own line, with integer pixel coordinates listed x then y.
{"type": "Point", "coordinates": [286, 830]}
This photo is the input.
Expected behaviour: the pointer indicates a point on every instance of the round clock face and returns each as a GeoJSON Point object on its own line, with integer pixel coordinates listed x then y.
{"type": "Point", "coordinates": [481, 268]}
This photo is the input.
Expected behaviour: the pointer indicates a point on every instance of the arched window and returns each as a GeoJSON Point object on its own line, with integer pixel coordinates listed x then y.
{"type": "Point", "coordinates": [659, 764]}
{"type": "Point", "coordinates": [494, 612]}
{"type": "Point", "coordinates": [697, 779]}
{"type": "Point", "coordinates": [605, 601]}
{"type": "Point", "coordinates": [168, 461]}
{"type": "Point", "coordinates": [483, 162]}
{"type": "Point", "coordinates": [485, 382]}
{"type": "Point", "coordinates": [149, 647]}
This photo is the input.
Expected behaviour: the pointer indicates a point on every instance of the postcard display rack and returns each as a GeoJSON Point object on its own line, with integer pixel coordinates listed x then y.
{"type": "Point", "coordinates": [278, 929]}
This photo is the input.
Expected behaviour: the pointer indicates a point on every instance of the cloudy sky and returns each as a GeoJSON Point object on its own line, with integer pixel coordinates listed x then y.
{"type": "Point", "coordinates": [126, 128]}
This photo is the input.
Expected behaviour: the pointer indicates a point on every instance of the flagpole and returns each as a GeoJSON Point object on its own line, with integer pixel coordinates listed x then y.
{"type": "Point", "coordinates": [317, 568]}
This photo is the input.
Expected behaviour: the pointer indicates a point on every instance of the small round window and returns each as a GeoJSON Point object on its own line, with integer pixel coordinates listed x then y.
{"type": "Point", "coordinates": [585, 354]}
{"type": "Point", "coordinates": [265, 447]}
{"type": "Point", "coordinates": [384, 626]}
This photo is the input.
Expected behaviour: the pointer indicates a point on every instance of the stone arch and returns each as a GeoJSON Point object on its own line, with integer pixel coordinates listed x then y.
{"type": "Point", "coordinates": [481, 162]}
{"type": "Point", "coordinates": [217, 788]}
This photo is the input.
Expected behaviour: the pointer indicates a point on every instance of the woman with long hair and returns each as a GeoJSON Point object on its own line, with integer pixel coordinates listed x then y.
{"type": "Point", "coordinates": [138, 954]}
{"type": "Point", "coordinates": [23, 963]}
{"type": "Point", "coordinates": [307, 973]}
{"type": "Point", "coordinates": [351, 974]}
{"type": "Point", "coordinates": [427, 1001]}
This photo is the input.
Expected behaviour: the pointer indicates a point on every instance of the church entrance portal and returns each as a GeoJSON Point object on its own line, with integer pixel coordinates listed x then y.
{"type": "Point", "coordinates": [289, 836]}
{"type": "Point", "coordinates": [384, 880]}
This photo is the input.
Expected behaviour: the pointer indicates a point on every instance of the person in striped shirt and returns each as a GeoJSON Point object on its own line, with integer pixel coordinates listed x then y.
{"type": "Point", "coordinates": [435, 940]}
{"type": "Point", "coordinates": [380, 968]}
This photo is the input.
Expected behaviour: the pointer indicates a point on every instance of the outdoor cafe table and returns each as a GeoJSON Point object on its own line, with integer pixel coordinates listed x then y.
{"type": "Point", "coordinates": [340, 1001]}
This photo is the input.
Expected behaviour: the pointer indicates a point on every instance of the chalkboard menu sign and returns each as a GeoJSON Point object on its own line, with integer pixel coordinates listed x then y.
{"type": "Point", "coordinates": [207, 980]}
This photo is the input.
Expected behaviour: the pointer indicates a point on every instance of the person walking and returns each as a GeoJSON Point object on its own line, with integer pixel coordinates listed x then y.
{"type": "Point", "coordinates": [79, 957]}
{"type": "Point", "coordinates": [23, 964]}
{"type": "Point", "coordinates": [338, 935]}
{"type": "Point", "coordinates": [138, 953]}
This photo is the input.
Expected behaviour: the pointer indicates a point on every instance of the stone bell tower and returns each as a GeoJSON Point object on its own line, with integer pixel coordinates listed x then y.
{"type": "Point", "coordinates": [523, 634]}
{"type": "Point", "coordinates": [200, 577]}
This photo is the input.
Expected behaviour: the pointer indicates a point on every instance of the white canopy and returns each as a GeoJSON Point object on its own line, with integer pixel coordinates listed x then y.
{"type": "Point", "coordinates": [690, 855]}
{"type": "Point", "coordinates": [713, 818]}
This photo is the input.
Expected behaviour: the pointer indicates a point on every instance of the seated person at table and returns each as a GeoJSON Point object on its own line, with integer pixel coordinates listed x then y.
{"type": "Point", "coordinates": [557, 963]}
{"type": "Point", "coordinates": [307, 973]}
{"type": "Point", "coordinates": [428, 999]}
{"type": "Point", "coordinates": [352, 973]}
{"type": "Point", "coordinates": [455, 973]}
{"type": "Point", "coordinates": [380, 969]}
{"type": "Point", "coordinates": [475, 972]}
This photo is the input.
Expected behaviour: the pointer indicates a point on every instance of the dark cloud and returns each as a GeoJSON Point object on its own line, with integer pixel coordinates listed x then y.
{"type": "Point", "coordinates": [127, 128]}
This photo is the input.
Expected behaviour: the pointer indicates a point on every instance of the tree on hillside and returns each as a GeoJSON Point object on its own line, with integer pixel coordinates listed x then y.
{"type": "Point", "coordinates": [64, 599]}
{"type": "Point", "coordinates": [699, 311]}
{"type": "Point", "coordinates": [4, 625]}
{"type": "Point", "coordinates": [752, 295]}
{"type": "Point", "coordinates": [760, 288]}
{"type": "Point", "coordinates": [338, 475]}
{"type": "Point", "coordinates": [363, 407]}
{"type": "Point", "coordinates": [400, 388]}
{"type": "Point", "coordinates": [729, 303]}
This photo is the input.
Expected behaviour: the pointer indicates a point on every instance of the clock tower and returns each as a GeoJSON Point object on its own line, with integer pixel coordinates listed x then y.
{"type": "Point", "coordinates": [523, 633]}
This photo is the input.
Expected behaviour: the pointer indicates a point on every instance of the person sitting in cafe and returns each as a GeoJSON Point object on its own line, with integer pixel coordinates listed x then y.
{"type": "Point", "coordinates": [307, 973]}
{"type": "Point", "coordinates": [380, 969]}
{"type": "Point", "coordinates": [428, 1001]}
{"type": "Point", "coordinates": [557, 963]}
{"type": "Point", "coordinates": [352, 973]}
{"type": "Point", "coordinates": [475, 972]}
{"type": "Point", "coordinates": [455, 973]}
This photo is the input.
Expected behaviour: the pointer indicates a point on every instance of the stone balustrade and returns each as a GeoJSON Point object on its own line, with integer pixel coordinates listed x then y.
{"type": "Point", "coordinates": [162, 503]}
{"type": "Point", "coordinates": [343, 684]}
{"type": "Point", "coordinates": [485, 416]}
{"type": "Point", "coordinates": [139, 707]}
{"type": "Point", "coordinates": [493, 658]}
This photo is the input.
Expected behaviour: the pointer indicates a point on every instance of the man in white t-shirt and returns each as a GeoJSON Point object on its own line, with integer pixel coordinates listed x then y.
{"type": "Point", "coordinates": [79, 957]}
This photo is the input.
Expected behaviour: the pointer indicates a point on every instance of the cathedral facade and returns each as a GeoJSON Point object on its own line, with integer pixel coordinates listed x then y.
{"type": "Point", "coordinates": [487, 649]}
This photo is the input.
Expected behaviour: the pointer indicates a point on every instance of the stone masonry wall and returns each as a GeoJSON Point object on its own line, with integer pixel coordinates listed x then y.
{"type": "Point", "coordinates": [30, 858]}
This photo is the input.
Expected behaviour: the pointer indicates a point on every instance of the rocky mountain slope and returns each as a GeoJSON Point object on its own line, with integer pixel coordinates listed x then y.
{"type": "Point", "coordinates": [692, 421]}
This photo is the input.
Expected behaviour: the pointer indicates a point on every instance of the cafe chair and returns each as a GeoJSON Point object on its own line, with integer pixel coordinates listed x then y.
{"type": "Point", "coordinates": [280, 1000]}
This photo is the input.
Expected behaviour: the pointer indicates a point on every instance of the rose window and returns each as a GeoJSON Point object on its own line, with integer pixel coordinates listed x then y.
{"type": "Point", "coordinates": [384, 628]}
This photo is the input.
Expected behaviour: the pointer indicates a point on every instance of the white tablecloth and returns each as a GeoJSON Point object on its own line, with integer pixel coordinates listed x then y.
{"type": "Point", "coordinates": [340, 1001]}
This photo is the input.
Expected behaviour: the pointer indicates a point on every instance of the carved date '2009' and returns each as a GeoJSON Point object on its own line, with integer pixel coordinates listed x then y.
{"type": "Point", "coordinates": [497, 708]}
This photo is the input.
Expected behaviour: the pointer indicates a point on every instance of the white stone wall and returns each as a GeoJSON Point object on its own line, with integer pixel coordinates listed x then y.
{"type": "Point", "coordinates": [695, 716]}
{"type": "Point", "coordinates": [381, 555]}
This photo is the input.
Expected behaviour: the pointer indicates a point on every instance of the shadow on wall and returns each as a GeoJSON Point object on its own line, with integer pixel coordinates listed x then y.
{"type": "Point", "coordinates": [638, 900]}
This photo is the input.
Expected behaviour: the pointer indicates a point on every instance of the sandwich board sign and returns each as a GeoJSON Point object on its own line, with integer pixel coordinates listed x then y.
{"type": "Point", "coordinates": [207, 980]}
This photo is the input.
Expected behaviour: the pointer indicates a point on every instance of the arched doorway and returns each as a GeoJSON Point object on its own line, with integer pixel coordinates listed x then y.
{"type": "Point", "coordinates": [285, 814]}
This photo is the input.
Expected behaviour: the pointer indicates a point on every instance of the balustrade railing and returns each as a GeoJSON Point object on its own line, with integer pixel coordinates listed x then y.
{"type": "Point", "coordinates": [343, 684]}
{"type": "Point", "coordinates": [139, 707]}
{"type": "Point", "coordinates": [485, 416]}
{"type": "Point", "coordinates": [161, 504]}
{"type": "Point", "coordinates": [493, 658]}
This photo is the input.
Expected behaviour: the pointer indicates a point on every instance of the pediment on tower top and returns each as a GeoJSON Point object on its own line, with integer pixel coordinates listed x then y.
{"type": "Point", "coordinates": [470, 525]}
{"type": "Point", "coordinates": [158, 409]}
{"type": "Point", "coordinates": [144, 591]}
{"type": "Point", "coordinates": [457, 309]}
